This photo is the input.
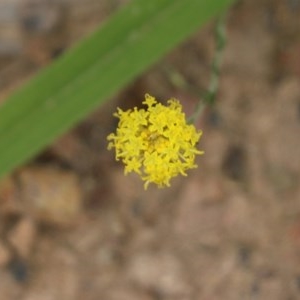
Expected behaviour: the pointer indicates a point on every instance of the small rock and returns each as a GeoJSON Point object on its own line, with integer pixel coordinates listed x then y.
{"type": "Point", "coordinates": [126, 293]}
{"type": "Point", "coordinates": [5, 255]}
{"type": "Point", "coordinates": [22, 237]}
{"type": "Point", "coordinates": [8, 197]}
{"type": "Point", "coordinates": [10, 35]}
{"type": "Point", "coordinates": [70, 149]}
{"type": "Point", "coordinates": [51, 195]}
{"type": "Point", "coordinates": [41, 16]}
{"type": "Point", "coordinates": [162, 273]}
{"type": "Point", "coordinates": [44, 30]}
{"type": "Point", "coordinates": [199, 218]}
{"type": "Point", "coordinates": [234, 164]}
{"type": "Point", "coordinates": [18, 269]}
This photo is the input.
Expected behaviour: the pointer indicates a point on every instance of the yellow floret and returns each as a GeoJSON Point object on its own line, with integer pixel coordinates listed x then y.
{"type": "Point", "coordinates": [156, 143]}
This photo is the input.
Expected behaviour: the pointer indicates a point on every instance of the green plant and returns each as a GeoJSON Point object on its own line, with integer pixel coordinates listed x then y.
{"type": "Point", "coordinates": [71, 87]}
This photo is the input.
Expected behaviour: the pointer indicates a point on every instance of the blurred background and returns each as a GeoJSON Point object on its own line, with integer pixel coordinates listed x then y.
{"type": "Point", "coordinates": [72, 226]}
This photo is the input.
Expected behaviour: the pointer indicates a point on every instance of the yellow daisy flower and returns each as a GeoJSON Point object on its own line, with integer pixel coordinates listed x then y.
{"type": "Point", "coordinates": [157, 143]}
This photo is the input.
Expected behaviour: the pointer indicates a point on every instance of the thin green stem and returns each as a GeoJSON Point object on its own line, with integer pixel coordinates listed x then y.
{"type": "Point", "coordinates": [220, 35]}
{"type": "Point", "coordinates": [210, 96]}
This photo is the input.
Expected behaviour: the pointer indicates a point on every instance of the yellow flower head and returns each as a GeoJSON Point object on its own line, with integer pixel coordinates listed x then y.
{"type": "Point", "coordinates": [157, 143]}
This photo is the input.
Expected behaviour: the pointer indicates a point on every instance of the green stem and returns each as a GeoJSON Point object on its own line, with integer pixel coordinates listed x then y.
{"type": "Point", "coordinates": [210, 96]}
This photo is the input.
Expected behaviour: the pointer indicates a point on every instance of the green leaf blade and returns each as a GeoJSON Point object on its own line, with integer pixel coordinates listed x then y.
{"type": "Point", "coordinates": [74, 85]}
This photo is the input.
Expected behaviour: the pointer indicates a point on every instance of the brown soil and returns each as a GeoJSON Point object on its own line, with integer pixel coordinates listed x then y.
{"type": "Point", "coordinates": [72, 226]}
